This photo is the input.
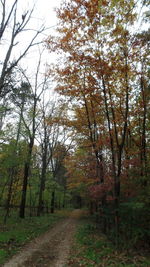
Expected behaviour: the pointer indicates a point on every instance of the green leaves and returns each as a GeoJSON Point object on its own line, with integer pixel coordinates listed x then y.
{"type": "Point", "coordinates": [17, 232]}
{"type": "Point", "coordinates": [92, 248]}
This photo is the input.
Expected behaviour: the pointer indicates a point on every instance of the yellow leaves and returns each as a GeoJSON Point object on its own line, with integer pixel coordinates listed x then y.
{"type": "Point", "coordinates": [74, 185]}
{"type": "Point", "coordinates": [80, 182]}
{"type": "Point", "coordinates": [115, 2]}
{"type": "Point", "coordinates": [102, 3]}
{"type": "Point", "coordinates": [108, 20]}
{"type": "Point", "coordinates": [118, 30]}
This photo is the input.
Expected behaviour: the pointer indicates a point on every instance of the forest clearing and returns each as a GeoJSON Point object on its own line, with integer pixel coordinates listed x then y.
{"type": "Point", "coordinates": [75, 133]}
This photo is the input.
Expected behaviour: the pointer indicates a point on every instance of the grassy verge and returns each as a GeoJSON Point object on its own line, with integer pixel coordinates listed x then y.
{"type": "Point", "coordinates": [18, 231]}
{"type": "Point", "coordinates": [92, 248]}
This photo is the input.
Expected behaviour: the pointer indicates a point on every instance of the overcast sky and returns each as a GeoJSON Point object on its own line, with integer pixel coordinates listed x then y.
{"type": "Point", "coordinates": [43, 14]}
{"type": "Point", "coordinates": [45, 10]}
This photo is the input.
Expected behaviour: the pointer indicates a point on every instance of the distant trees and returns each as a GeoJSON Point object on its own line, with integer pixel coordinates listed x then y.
{"type": "Point", "coordinates": [28, 141]}
{"type": "Point", "coordinates": [49, 134]}
{"type": "Point", "coordinates": [34, 175]}
{"type": "Point", "coordinates": [32, 161]}
{"type": "Point", "coordinates": [31, 124]}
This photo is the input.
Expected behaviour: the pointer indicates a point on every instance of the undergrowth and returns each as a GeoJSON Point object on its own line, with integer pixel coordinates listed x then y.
{"type": "Point", "coordinates": [18, 232]}
{"type": "Point", "coordinates": [92, 248]}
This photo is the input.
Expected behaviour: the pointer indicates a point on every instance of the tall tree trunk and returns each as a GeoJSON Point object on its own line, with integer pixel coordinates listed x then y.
{"type": "Point", "coordinates": [44, 168]}
{"type": "Point", "coordinates": [53, 202]}
{"type": "Point", "coordinates": [9, 195]}
{"type": "Point", "coordinates": [42, 185]}
{"type": "Point", "coordinates": [25, 179]}
{"type": "Point", "coordinates": [143, 137]}
{"type": "Point", "coordinates": [64, 198]}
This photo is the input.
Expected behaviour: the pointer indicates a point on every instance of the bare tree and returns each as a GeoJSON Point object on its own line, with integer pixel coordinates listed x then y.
{"type": "Point", "coordinates": [53, 135]}
{"type": "Point", "coordinates": [12, 27]}
{"type": "Point", "coordinates": [31, 125]}
{"type": "Point", "coordinates": [45, 136]}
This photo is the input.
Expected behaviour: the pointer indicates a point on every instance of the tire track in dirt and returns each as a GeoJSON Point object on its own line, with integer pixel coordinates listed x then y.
{"type": "Point", "coordinates": [50, 249]}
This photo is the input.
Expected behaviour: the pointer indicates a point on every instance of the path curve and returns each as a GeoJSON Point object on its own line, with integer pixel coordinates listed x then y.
{"type": "Point", "coordinates": [50, 249]}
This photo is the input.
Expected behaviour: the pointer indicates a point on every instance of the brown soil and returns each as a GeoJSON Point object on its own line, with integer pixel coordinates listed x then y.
{"type": "Point", "coordinates": [51, 249]}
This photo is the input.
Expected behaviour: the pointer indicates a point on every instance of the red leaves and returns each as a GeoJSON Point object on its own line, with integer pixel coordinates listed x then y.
{"type": "Point", "coordinates": [100, 73]}
{"type": "Point", "coordinates": [98, 191]}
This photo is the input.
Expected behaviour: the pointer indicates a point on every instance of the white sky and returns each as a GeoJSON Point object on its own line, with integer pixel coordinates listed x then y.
{"type": "Point", "coordinates": [45, 10]}
{"type": "Point", "coordinates": [43, 14]}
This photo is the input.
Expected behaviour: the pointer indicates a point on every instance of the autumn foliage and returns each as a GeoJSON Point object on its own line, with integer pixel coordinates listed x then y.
{"type": "Point", "coordinates": [103, 72]}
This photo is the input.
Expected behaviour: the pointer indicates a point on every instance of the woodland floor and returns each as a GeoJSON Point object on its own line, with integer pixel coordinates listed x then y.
{"type": "Point", "coordinates": [50, 249]}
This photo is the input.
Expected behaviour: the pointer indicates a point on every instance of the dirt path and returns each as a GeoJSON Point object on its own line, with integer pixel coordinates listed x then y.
{"type": "Point", "coordinates": [51, 249]}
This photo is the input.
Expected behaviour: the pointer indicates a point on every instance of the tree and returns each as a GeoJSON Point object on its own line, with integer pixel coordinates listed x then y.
{"type": "Point", "coordinates": [98, 71]}
{"type": "Point", "coordinates": [20, 100]}
{"type": "Point", "coordinates": [9, 14]}
{"type": "Point", "coordinates": [31, 124]}
{"type": "Point", "coordinates": [46, 132]}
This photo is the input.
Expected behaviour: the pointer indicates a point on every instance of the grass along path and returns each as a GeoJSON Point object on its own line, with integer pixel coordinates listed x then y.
{"type": "Point", "coordinates": [89, 247]}
{"type": "Point", "coordinates": [17, 232]}
{"type": "Point", "coordinates": [51, 248]}
{"type": "Point", "coordinates": [93, 249]}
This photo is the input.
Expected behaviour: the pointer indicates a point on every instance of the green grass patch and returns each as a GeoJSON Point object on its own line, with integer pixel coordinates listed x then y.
{"type": "Point", "coordinates": [92, 248]}
{"type": "Point", "coordinates": [18, 231]}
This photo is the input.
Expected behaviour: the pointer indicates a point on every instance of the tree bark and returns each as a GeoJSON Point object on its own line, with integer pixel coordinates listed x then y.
{"type": "Point", "coordinates": [53, 202]}
{"type": "Point", "coordinates": [25, 179]}
{"type": "Point", "coordinates": [42, 184]}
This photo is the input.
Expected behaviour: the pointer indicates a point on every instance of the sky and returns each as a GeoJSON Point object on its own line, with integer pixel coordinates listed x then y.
{"type": "Point", "coordinates": [45, 10]}
{"type": "Point", "coordinates": [43, 14]}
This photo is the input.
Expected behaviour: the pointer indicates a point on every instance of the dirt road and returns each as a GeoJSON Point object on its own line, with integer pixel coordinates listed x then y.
{"type": "Point", "coordinates": [51, 249]}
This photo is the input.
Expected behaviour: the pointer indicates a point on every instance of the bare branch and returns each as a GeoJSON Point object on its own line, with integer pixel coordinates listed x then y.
{"type": "Point", "coordinates": [5, 23]}
{"type": "Point", "coordinates": [17, 28]}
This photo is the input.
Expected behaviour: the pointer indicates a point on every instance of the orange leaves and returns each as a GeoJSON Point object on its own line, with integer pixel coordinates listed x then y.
{"type": "Point", "coordinates": [81, 171]}
{"type": "Point", "coordinates": [100, 75]}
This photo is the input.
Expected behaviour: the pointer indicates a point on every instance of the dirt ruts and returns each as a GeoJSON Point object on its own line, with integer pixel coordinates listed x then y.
{"type": "Point", "coordinates": [50, 249]}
